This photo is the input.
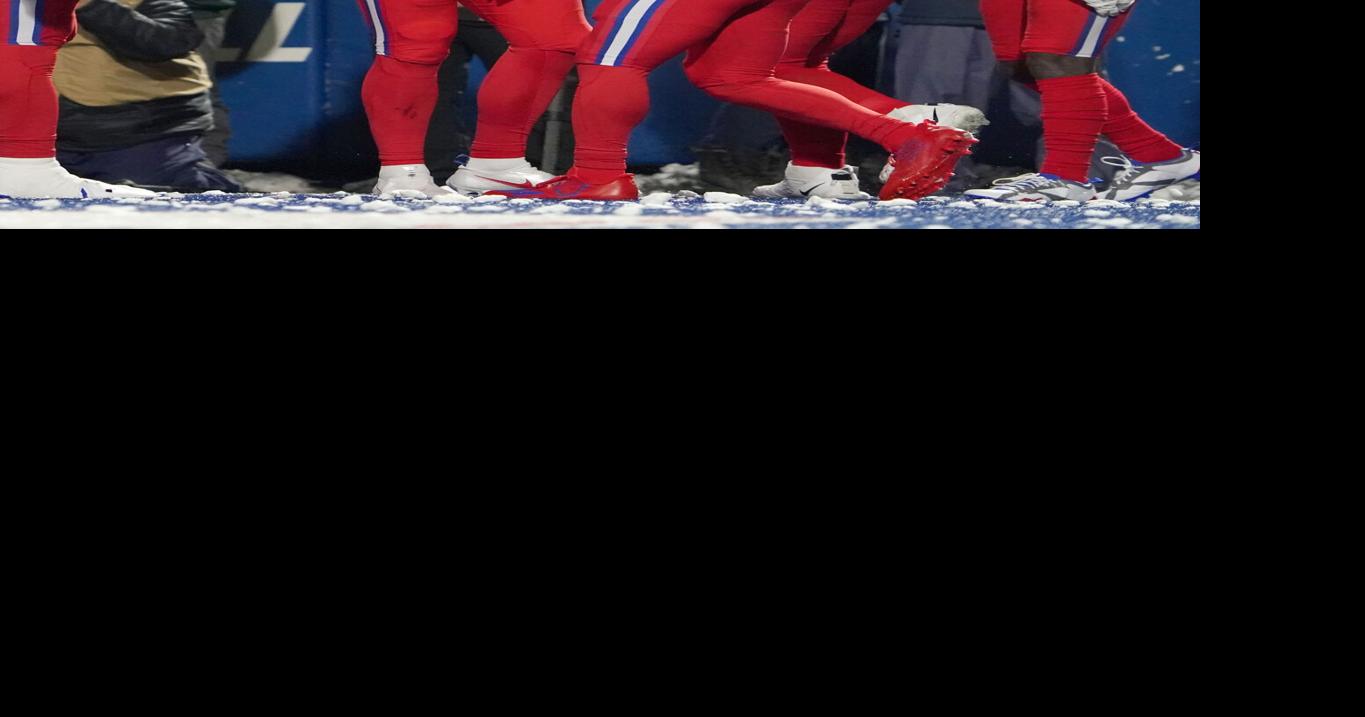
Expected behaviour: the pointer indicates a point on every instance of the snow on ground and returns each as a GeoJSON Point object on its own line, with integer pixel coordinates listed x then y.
{"type": "Point", "coordinates": [682, 210]}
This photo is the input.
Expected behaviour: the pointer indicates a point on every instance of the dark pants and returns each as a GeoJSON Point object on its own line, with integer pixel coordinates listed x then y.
{"type": "Point", "coordinates": [173, 163]}
{"type": "Point", "coordinates": [214, 26]}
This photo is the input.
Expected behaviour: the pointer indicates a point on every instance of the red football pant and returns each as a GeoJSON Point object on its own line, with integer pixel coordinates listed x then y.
{"type": "Point", "coordinates": [30, 33]}
{"type": "Point", "coordinates": [413, 38]}
{"type": "Point", "coordinates": [733, 48]}
{"type": "Point", "coordinates": [1076, 110]}
{"type": "Point", "coordinates": [822, 28]}
{"type": "Point", "coordinates": [1054, 27]}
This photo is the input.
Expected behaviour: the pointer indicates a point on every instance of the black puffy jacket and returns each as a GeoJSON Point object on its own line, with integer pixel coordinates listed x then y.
{"type": "Point", "coordinates": [155, 31]}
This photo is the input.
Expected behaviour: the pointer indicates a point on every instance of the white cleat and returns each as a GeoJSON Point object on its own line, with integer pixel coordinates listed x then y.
{"type": "Point", "coordinates": [963, 117]}
{"type": "Point", "coordinates": [1176, 179]}
{"type": "Point", "coordinates": [46, 179]}
{"type": "Point", "coordinates": [807, 182]}
{"type": "Point", "coordinates": [412, 181]}
{"type": "Point", "coordinates": [1035, 188]}
{"type": "Point", "coordinates": [488, 175]}
{"type": "Point", "coordinates": [967, 119]}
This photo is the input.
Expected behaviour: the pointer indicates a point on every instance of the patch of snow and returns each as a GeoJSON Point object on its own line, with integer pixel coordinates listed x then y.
{"type": "Point", "coordinates": [725, 198]}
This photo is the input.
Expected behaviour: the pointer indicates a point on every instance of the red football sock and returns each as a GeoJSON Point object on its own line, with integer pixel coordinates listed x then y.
{"type": "Point", "coordinates": [806, 103]}
{"type": "Point", "coordinates": [813, 145]}
{"type": "Point", "coordinates": [816, 146]}
{"type": "Point", "coordinates": [399, 99]}
{"type": "Point", "coordinates": [823, 77]}
{"type": "Point", "coordinates": [610, 102]}
{"type": "Point", "coordinates": [510, 105]}
{"type": "Point", "coordinates": [1136, 138]}
{"type": "Point", "coordinates": [28, 102]}
{"type": "Point", "coordinates": [1074, 113]}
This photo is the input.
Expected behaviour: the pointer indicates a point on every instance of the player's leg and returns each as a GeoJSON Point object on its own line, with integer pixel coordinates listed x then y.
{"type": "Point", "coordinates": [817, 33]}
{"type": "Point", "coordinates": [411, 40]}
{"type": "Point", "coordinates": [543, 38]}
{"type": "Point", "coordinates": [1056, 42]}
{"type": "Point", "coordinates": [822, 28]}
{"type": "Point", "coordinates": [630, 38]}
{"type": "Point", "coordinates": [818, 164]}
{"type": "Point", "coordinates": [1154, 165]}
{"type": "Point", "coordinates": [1153, 162]}
{"type": "Point", "coordinates": [31, 31]}
{"type": "Point", "coordinates": [1006, 21]}
{"type": "Point", "coordinates": [737, 65]}
{"type": "Point", "coordinates": [1060, 44]}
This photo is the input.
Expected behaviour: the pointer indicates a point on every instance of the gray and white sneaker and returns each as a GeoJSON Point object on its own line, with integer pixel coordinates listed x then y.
{"type": "Point", "coordinates": [1176, 179]}
{"type": "Point", "coordinates": [1035, 188]}
{"type": "Point", "coordinates": [806, 182]}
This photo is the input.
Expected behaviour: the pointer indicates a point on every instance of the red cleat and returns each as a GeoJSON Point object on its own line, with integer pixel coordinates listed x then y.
{"type": "Point", "coordinates": [925, 164]}
{"type": "Point", "coordinates": [571, 186]}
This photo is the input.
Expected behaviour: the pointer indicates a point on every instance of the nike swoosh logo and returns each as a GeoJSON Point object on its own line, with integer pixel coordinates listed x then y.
{"type": "Point", "coordinates": [808, 191]}
{"type": "Point", "coordinates": [563, 191]}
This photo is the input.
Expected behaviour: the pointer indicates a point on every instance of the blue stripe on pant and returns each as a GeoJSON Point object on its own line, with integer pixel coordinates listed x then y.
{"type": "Point", "coordinates": [13, 36]}
{"type": "Point", "coordinates": [38, 22]}
{"type": "Point", "coordinates": [606, 57]}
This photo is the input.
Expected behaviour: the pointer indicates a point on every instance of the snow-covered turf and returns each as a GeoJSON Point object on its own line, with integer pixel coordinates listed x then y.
{"type": "Point", "coordinates": [684, 210]}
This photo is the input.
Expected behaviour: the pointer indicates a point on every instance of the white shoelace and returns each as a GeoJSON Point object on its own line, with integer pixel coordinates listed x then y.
{"type": "Point", "coordinates": [1129, 173]}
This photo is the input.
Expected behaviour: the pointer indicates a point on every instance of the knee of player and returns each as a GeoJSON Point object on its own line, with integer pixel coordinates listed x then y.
{"type": "Point", "coordinates": [567, 37]}
{"type": "Point", "coordinates": [421, 52]}
{"type": "Point", "coordinates": [408, 67]}
{"type": "Point", "coordinates": [572, 38]}
{"type": "Point", "coordinates": [429, 44]}
{"type": "Point", "coordinates": [788, 68]}
{"type": "Point", "coordinates": [721, 85]}
{"type": "Point", "coordinates": [1045, 66]}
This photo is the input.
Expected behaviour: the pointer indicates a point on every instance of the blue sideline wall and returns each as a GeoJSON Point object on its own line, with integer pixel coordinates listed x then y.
{"type": "Point", "coordinates": [291, 74]}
